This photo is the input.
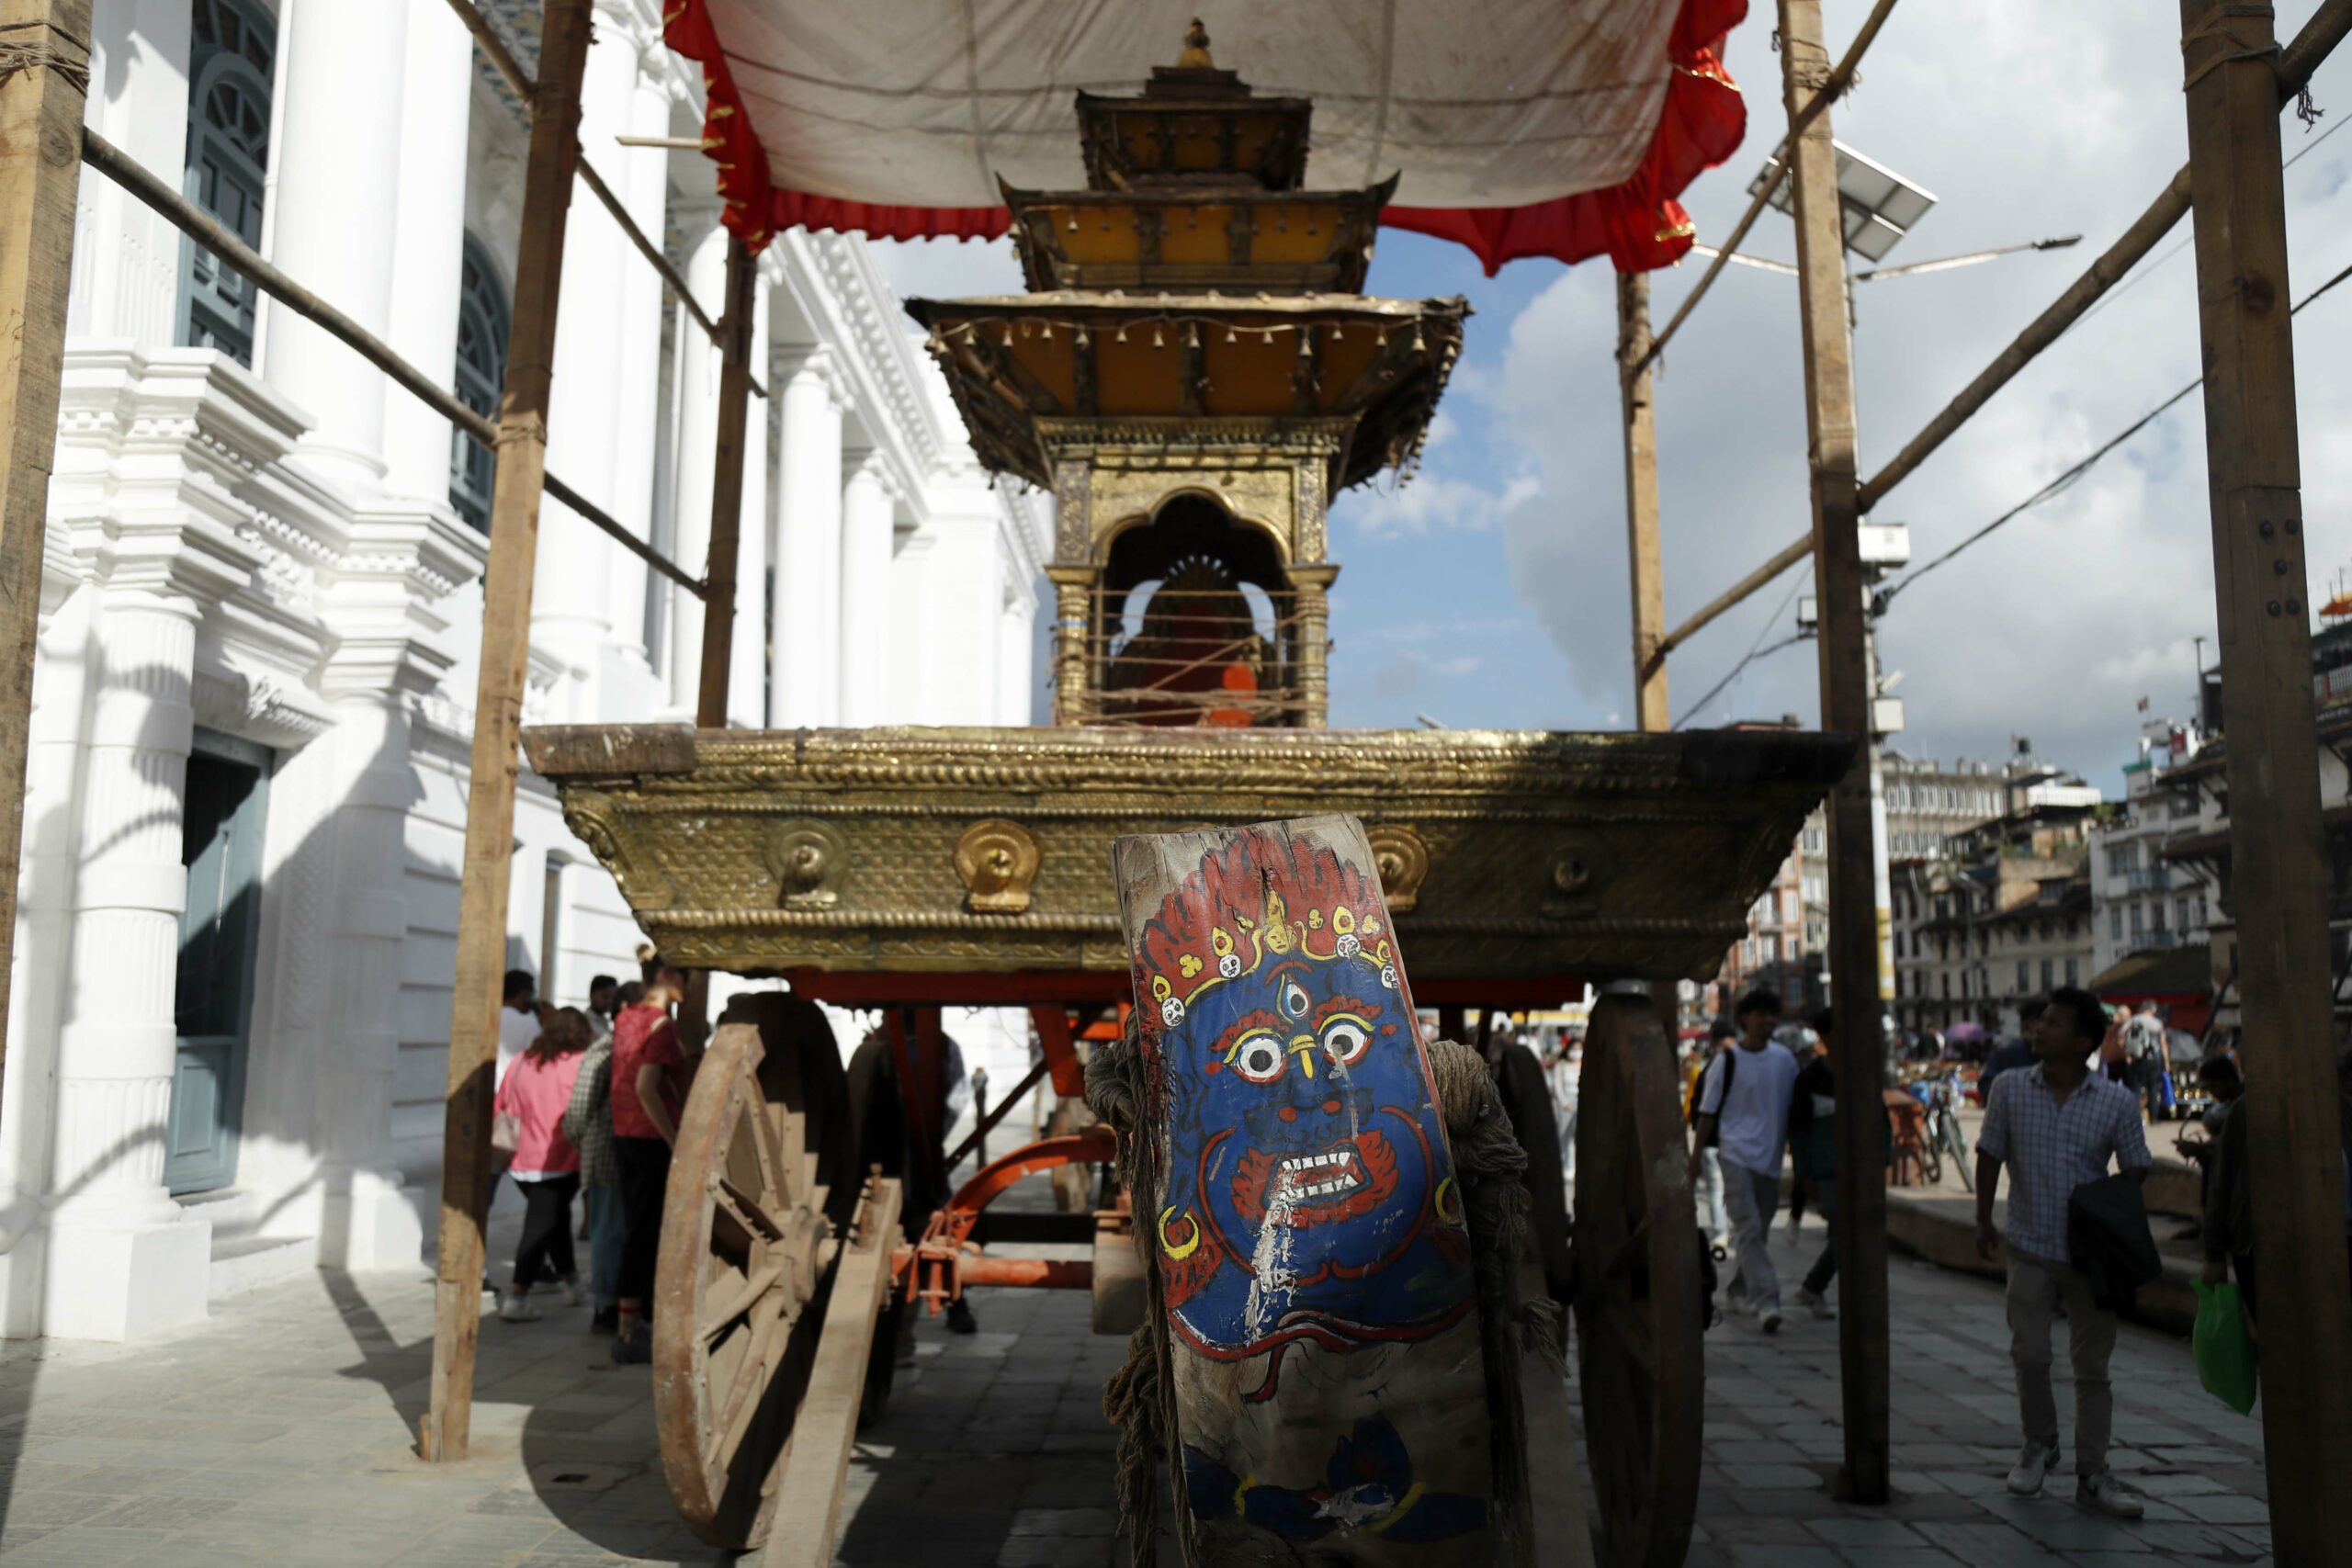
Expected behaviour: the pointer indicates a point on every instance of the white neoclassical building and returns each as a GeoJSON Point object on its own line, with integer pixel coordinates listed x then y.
{"type": "Point", "coordinates": [251, 707]}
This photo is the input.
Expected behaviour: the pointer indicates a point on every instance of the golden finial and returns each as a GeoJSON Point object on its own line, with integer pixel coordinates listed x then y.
{"type": "Point", "coordinates": [1196, 50]}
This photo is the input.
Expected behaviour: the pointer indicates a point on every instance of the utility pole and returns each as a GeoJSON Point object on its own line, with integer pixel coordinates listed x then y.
{"type": "Point", "coordinates": [1846, 693]}
{"type": "Point", "coordinates": [2277, 850]}
{"type": "Point", "coordinates": [1634, 378]}
{"type": "Point", "coordinates": [498, 727]}
{"type": "Point", "coordinates": [44, 76]}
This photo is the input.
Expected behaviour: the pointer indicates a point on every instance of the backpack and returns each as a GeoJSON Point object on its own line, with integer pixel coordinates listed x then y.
{"type": "Point", "coordinates": [1729, 1057]}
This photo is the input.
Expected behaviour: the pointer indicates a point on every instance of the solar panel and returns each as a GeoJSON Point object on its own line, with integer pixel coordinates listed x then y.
{"type": "Point", "coordinates": [1879, 206]}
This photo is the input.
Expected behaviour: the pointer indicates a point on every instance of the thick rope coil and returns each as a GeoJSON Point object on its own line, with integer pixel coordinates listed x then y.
{"type": "Point", "coordinates": [1136, 1399]}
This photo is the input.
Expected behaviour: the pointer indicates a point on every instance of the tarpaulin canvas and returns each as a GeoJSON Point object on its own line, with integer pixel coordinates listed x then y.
{"type": "Point", "coordinates": [1561, 128]}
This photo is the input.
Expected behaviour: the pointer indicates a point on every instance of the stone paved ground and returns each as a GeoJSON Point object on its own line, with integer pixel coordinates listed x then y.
{"type": "Point", "coordinates": [279, 1434]}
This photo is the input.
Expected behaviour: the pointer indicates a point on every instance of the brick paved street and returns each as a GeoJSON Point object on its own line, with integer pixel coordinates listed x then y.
{"type": "Point", "coordinates": [279, 1434]}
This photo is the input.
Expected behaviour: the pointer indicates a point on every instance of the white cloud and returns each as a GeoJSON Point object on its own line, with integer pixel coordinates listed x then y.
{"type": "Point", "coordinates": [1432, 502]}
{"type": "Point", "coordinates": [2026, 120]}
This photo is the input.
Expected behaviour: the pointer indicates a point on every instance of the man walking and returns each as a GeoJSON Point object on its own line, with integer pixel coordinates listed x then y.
{"type": "Point", "coordinates": [2056, 1125]}
{"type": "Point", "coordinates": [1744, 1114]}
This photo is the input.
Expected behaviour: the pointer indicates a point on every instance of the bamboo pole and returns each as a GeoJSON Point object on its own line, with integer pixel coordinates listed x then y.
{"type": "Point", "coordinates": [727, 485]}
{"type": "Point", "coordinates": [1636, 387]}
{"type": "Point", "coordinates": [44, 77]}
{"type": "Point", "coordinates": [136, 179]}
{"type": "Point", "coordinates": [2278, 846]}
{"type": "Point", "coordinates": [498, 720]}
{"type": "Point", "coordinates": [1858, 1041]}
{"type": "Point", "coordinates": [1797, 549]}
{"type": "Point", "coordinates": [1831, 90]}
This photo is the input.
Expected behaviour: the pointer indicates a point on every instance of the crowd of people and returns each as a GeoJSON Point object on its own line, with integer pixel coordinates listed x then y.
{"type": "Point", "coordinates": [587, 1105]}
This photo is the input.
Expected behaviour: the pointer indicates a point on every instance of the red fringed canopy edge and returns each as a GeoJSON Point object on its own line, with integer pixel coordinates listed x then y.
{"type": "Point", "coordinates": [1639, 225]}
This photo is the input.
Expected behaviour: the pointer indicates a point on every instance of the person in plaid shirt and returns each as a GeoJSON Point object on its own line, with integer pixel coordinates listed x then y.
{"type": "Point", "coordinates": [2056, 1125]}
{"type": "Point", "coordinates": [588, 1123]}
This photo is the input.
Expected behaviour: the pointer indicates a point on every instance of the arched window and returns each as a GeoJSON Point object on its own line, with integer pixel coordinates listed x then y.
{"type": "Point", "coordinates": [234, 44]}
{"type": "Point", "coordinates": [481, 375]}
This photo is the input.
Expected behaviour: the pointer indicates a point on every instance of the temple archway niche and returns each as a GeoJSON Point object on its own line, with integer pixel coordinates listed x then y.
{"type": "Point", "coordinates": [1194, 624]}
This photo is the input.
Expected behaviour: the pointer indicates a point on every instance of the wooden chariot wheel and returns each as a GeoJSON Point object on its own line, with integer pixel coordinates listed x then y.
{"type": "Point", "coordinates": [1638, 1301]}
{"type": "Point", "coordinates": [765, 1150]}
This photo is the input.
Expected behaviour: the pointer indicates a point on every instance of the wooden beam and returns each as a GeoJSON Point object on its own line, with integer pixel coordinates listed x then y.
{"type": "Point", "coordinates": [2319, 36]}
{"type": "Point", "coordinates": [1636, 387]}
{"type": "Point", "coordinates": [1797, 549]}
{"type": "Point", "coordinates": [498, 722]}
{"type": "Point", "coordinates": [139, 181]}
{"type": "Point", "coordinates": [1860, 1216]}
{"type": "Point", "coordinates": [727, 485]}
{"type": "Point", "coordinates": [44, 77]}
{"type": "Point", "coordinates": [2277, 846]}
{"type": "Point", "coordinates": [1831, 89]}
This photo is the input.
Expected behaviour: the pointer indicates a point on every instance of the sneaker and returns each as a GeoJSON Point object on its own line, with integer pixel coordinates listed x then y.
{"type": "Point", "coordinates": [1814, 1302]}
{"type": "Point", "coordinates": [632, 1349]}
{"type": "Point", "coordinates": [519, 1309]}
{"type": "Point", "coordinates": [571, 1292]}
{"type": "Point", "coordinates": [605, 1320]}
{"type": "Point", "coordinates": [1771, 1320]}
{"type": "Point", "coordinates": [2102, 1494]}
{"type": "Point", "coordinates": [2033, 1465]}
{"type": "Point", "coordinates": [1737, 1305]}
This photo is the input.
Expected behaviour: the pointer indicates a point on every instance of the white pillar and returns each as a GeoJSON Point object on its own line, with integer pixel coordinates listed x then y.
{"type": "Point", "coordinates": [1013, 650]}
{"type": "Point", "coordinates": [909, 640]}
{"type": "Point", "coordinates": [126, 258]}
{"type": "Point", "coordinates": [698, 394]}
{"type": "Point", "coordinates": [571, 600]}
{"type": "Point", "coordinates": [123, 1262]}
{"type": "Point", "coordinates": [427, 243]}
{"type": "Point", "coordinates": [805, 686]}
{"type": "Point", "coordinates": [747, 683]}
{"type": "Point", "coordinates": [869, 518]}
{"type": "Point", "coordinates": [644, 174]}
{"type": "Point", "coordinates": [338, 140]}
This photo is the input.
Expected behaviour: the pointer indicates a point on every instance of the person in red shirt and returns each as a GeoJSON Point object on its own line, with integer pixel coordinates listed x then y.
{"type": "Point", "coordinates": [648, 1090]}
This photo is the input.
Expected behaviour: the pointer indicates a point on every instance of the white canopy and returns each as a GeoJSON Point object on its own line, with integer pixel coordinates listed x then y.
{"type": "Point", "coordinates": [921, 103]}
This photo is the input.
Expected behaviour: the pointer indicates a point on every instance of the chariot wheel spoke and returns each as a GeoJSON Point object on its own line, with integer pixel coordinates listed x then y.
{"type": "Point", "coordinates": [716, 1320]}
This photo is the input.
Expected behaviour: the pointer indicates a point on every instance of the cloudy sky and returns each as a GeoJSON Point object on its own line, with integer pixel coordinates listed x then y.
{"type": "Point", "coordinates": [1492, 590]}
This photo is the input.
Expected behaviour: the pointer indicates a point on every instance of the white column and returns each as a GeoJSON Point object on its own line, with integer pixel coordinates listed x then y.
{"type": "Point", "coordinates": [1013, 651]}
{"type": "Point", "coordinates": [338, 140]}
{"type": "Point", "coordinates": [869, 518]}
{"type": "Point", "coordinates": [127, 259]}
{"type": "Point", "coordinates": [805, 686]}
{"type": "Point", "coordinates": [571, 600]}
{"type": "Point", "coordinates": [427, 243]}
{"type": "Point", "coordinates": [123, 1263]}
{"type": "Point", "coordinates": [698, 394]}
{"type": "Point", "coordinates": [909, 640]}
{"type": "Point", "coordinates": [747, 683]}
{"type": "Point", "coordinates": [644, 174]}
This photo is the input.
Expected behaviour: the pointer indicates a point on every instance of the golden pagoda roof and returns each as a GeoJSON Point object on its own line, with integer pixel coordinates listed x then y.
{"type": "Point", "coordinates": [1030, 371]}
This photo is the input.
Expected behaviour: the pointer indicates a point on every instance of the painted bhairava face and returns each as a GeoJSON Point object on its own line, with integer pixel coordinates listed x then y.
{"type": "Point", "coordinates": [1309, 1191]}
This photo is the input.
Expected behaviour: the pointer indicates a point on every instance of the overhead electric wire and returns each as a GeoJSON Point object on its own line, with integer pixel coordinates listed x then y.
{"type": "Point", "coordinates": [1755, 650]}
{"type": "Point", "coordinates": [2065, 480]}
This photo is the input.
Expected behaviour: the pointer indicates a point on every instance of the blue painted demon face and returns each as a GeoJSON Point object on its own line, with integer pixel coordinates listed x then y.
{"type": "Point", "coordinates": [1308, 1190]}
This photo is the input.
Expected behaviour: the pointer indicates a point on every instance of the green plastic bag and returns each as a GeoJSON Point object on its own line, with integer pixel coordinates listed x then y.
{"type": "Point", "coordinates": [2225, 1358]}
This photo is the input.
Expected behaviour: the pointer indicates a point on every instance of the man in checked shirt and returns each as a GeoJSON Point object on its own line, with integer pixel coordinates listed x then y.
{"type": "Point", "coordinates": [2056, 1125]}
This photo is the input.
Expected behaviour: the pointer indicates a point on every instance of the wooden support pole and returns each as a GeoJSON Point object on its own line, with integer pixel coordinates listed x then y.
{"type": "Point", "coordinates": [1797, 549]}
{"type": "Point", "coordinates": [498, 723]}
{"type": "Point", "coordinates": [1860, 1216]}
{"type": "Point", "coordinates": [1635, 383]}
{"type": "Point", "coordinates": [44, 76]}
{"type": "Point", "coordinates": [2278, 849]}
{"type": "Point", "coordinates": [727, 485]}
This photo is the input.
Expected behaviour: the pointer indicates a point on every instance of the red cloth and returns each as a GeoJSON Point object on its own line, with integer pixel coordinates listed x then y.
{"type": "Point", "coordinates": [642, 1036]}
{"type": "Point", "coordinates": [1639, 225]}
{"type": "Point", "coordinates": [536, 1092]}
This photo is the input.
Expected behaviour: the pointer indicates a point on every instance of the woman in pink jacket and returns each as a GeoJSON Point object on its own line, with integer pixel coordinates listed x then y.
{"type": "Point", "coordinates": [547, 1168]}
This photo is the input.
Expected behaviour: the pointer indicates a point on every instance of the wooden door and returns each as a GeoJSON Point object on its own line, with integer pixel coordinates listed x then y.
{"type": "Point", "coordinates": [221, 846]}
